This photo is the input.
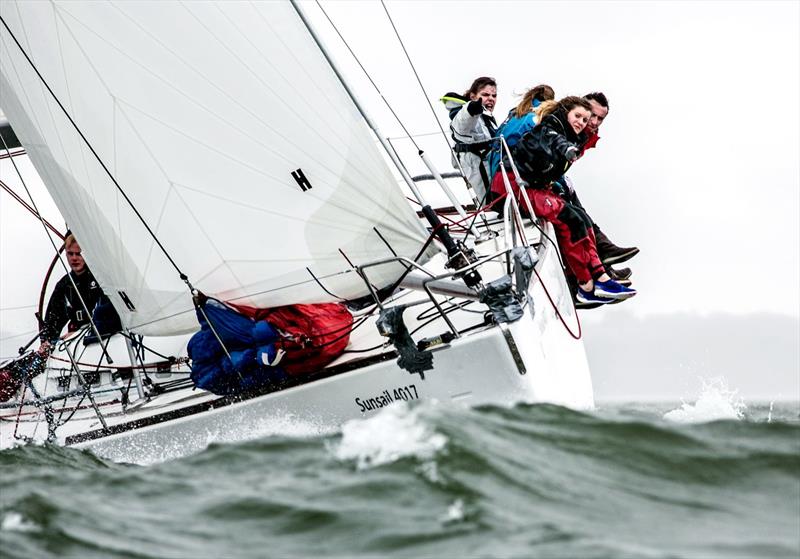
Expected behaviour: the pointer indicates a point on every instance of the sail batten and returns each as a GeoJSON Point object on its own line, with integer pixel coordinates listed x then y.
{"type": "Point", "coordinates": [202, 116]}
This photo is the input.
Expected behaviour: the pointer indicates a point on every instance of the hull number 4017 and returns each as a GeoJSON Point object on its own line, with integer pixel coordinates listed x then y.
{"type": "Point", "coordinates": [404, 393]}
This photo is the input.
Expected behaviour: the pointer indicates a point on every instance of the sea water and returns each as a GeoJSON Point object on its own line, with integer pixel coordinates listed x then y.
{"type": "Point", "coordinates": [711, 477]}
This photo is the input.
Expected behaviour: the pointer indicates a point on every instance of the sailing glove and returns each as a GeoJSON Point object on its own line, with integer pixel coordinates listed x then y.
{"type": "Point", "coordinates": [475, 107]}
{"type": "Point", "coordinates": [572, 154]}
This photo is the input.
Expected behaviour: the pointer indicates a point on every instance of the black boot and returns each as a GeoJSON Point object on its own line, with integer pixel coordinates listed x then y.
{"type": "Point", "coordinates": [610, 253]}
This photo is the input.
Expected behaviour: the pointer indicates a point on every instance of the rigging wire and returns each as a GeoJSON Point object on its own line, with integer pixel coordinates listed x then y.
{"type": "Point", "coordinates": [12, 154]}
{"type": "Point", "coordinates": [12, 336]}
{"type": "Point", "coordinates": [416, 75]}
{"type": "Point", "coordinates": [558, 313]}
{"type": "Point", "coordinates": [46, 280]}
{"type": "Point", "coordinates": [425, 94]}
{"type": "Point", "coordinates": [17, 308]}
{"type": "Point", "coordinates": [353, 54]}
{"type": "Point", "coordinates": [28, 207]}
{"type": "Point", "coordinates": [408, 134]}
{"type": "Point", "coordinates": [453, 154]}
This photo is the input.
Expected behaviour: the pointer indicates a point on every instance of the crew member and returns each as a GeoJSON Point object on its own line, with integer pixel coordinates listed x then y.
{"type": "Point", "coordinates": [68, 306]}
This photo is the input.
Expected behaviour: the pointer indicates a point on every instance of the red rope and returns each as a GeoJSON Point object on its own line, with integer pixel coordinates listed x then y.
{"type": "Point", "coordinates": [28, 207]}
{"type": "Point", "coordinates": [9, 154]}
{"type": "Point", "coordinates": [558, 314]}
{"type": "Point", "coordinates": [479, 210]}
{"type": "Point", "coordinates": [47, 280]}
{"type": "Point", "coordinates": [470, 215]}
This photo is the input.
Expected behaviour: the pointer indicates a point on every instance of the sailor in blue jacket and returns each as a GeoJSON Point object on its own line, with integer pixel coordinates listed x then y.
{"type": "Point", "coordinates": [520, 120]}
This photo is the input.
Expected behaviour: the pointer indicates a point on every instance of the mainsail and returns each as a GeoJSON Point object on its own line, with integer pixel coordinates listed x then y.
{"type": "Point", "coordinates": [230, 135]}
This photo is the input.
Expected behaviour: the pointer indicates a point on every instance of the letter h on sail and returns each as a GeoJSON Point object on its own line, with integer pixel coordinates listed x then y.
{"type": "Point", "coordinates": [301, 179]}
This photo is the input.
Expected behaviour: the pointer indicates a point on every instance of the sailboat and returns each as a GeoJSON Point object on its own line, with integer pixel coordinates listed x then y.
{"type": "Point", "coordinates": [215, 149]}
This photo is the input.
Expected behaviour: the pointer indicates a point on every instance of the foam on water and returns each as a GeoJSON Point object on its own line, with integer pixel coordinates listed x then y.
{"type": "Point", "coordinates": [147, 452]}
{"type": "Point", "coordinates": [15, 522]}
{"type": "Point", "coordinates": [396, 432]}
{"type": "Point", "coordinates": [455, 512]}
{"type": "Point", "coordinates": [716, 401]}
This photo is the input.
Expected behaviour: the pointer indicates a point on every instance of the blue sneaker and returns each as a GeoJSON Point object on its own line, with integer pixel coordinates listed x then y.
{"type": "Point", "coordinates": [587, 299]}
{"type": "Point", "coordinates": [613, 290]}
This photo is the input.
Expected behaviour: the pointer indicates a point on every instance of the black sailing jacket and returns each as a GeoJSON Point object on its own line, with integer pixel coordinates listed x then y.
{"type": "Point", "coordinates": [541, 153]}
{"type": "Point", "coordinates": [65, 305]}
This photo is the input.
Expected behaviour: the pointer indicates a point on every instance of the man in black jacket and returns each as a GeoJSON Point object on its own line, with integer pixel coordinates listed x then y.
{"type": "Point", "coordinates": [67, 304]}
{"type": "Point", "coordinates": [609, 252]}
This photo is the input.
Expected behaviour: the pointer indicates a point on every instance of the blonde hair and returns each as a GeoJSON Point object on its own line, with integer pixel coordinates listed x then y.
{"type": "Point", "coordinates": [546, 108]}
{"type": "Point", "coordinates": [69, 240]}
{"type": "Point", "coordinates": [542, 93]}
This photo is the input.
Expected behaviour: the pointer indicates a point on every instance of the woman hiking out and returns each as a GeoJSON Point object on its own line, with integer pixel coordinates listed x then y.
{"type": "Point", "coordinates": [542, 156]}
{"type": "Point", "coordinates": [520, 120]}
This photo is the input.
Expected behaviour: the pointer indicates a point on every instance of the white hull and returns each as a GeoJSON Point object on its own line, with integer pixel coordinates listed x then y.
{"type": "Point", "coordinates": [533, 359]}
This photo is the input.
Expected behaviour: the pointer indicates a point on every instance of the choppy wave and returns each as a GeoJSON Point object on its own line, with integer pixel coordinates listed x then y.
{"type": "Point", "coordinates": [716, 402]}
{"type": "Point", "coordinates": [636, 480]}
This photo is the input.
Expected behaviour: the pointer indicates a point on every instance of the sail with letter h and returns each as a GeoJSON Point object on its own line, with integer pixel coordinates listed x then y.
{"type": "Point", "coordinates": [210, 139]}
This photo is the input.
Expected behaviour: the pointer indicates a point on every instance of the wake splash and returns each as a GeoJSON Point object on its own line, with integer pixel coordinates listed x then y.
{"type": "Point", "coordinates": [14, 522]}
{"type": "Point", "coordinates": [716, 402]}
{"type": "Point", "coordinates": [398, 431]}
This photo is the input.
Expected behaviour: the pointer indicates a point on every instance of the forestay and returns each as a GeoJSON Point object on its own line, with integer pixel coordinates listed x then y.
{"type": "Point", "coordinates": [202, 112]}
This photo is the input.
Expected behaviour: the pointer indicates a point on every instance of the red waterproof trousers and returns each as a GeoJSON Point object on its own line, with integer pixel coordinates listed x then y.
{"type": "Point", "coordinates": [575, 238]}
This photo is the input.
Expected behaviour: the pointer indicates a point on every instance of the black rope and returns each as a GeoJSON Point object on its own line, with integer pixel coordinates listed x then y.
{"type": "Point", "coordinates": [439, 316]}
{"type": "Point", "coordinates": [74, 410]}
{"type": "Point", "coordinates": [337, 338]}
{"type": "Point", "coordinates": [350, 262]}
{"type": "Point", "coordinates": [386, 102]}
{"type": "Point", "coordinates": [432, 311]}
{"type": "Point", "coordinates": [168, 358]}
{"type": "Point", "coordinates": [408, 269]}
{"type": "Point", "coordinates": [27, 206]}
{"type": "Point", "coordinates": [319, 283]}
{"type": "Point", "coordinates": [89, 145]}
{"type": "Point", "coordinates": [385, 241]}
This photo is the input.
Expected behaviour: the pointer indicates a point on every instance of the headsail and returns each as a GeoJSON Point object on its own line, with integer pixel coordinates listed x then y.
{"type": "Point", "coordinates": [230, 134]}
